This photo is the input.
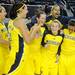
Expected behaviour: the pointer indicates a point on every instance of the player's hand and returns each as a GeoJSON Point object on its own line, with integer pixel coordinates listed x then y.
{"type": "Point", "coordinates": [36, 28]}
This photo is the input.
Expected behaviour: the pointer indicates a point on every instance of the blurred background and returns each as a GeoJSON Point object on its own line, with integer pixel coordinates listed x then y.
{"type": "Point", "coordinates": [44, 4]}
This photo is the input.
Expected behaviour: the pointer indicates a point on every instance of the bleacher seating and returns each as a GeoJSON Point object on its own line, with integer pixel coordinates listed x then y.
{"type": "Point", "coordinates": [71, 4]}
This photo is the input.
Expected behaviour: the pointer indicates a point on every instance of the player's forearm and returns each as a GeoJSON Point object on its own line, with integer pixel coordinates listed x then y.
{"type": "Point", "coordinates": [28, 36]}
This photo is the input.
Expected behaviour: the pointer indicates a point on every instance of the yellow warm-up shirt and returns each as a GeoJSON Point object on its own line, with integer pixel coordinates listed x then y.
{"type": "Point", "coordinates": [68, 45]}
{"type": "Point", "coordinates": [4, 49]}
{"type": "Point", "coordinates": [53, 42]}
{"type": "Point", "coordinates": [17, 47]}
{"type": "Point", "coordinates": [35, 45]}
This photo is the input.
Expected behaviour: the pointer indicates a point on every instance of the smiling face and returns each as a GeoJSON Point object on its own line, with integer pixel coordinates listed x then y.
{"type": "Point", "coordinates": [55, 11]}
{"type": "Point", "coordinates": [71, 28]}
{"type": "Point", "coordinates": [41, 19]}
{"type": "Point", "coordinates": [71, 25]}
{"type": "Point", "coordinates": [2, 13]}
{"type": "Point", "coordinates": [55, 26]}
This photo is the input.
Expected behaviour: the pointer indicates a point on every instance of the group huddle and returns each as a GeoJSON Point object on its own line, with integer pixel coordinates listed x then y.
{"type": "Point", "coordinates": [45, 48]}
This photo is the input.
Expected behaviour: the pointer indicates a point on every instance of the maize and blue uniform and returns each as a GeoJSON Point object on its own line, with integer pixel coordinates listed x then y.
{"type": "Point", "coordinates": [49, 54]}
{"type": "Point", "coordinates": [18, 62]}
{"type": "Point", "coordinates": [67, 55]}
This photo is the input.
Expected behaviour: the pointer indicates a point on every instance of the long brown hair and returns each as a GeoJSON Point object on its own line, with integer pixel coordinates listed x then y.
{"type": "Point", "coordinates": [14, 10]}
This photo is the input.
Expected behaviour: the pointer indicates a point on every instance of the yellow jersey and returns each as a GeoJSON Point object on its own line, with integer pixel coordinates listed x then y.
{"type": "Point", "coordinates": [53, 42]}
{"type": "Point", "coordinates": [4, 49]}
{"type": "Point", "coordinates": [68, 45]}
{"type": "Point", "coordinates": [17, 47]}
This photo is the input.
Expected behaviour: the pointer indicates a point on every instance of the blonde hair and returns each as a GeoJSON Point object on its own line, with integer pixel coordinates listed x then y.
{"type": "Point", "coordinates": [1, 8]}
{"type": "Point", "coordinates": [57, 21]}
